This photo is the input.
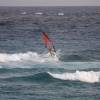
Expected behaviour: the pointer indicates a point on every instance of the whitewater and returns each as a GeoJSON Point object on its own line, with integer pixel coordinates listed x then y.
{"type": "Point", "coordinates": [85, 76]}
{"type": "Point", "coordinates": [28, 56]}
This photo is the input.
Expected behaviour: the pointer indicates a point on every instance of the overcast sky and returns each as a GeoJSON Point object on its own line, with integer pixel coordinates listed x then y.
{"type": "Point", "coordinates": [49, 2]}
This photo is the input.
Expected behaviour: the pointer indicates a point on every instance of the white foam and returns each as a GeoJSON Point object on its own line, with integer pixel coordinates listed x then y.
{"type": "Point", "coordinates": [85, 76]}
{"type": "Point", "coordinates": [38, 13]}
{"type": "Point", "coordinates": [28, 56]}
{"type": "Point", "coordinates": [60, 14]}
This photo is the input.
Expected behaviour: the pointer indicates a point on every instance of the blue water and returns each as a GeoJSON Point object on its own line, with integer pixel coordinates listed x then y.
{"type": "Point", "coordinates": [26, 73]}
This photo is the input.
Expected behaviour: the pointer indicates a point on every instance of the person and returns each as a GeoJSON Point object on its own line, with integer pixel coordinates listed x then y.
{"type": "Point", "coordinates": [52, 51]}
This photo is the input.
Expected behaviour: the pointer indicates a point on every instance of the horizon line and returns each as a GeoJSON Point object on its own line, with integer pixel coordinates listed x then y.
{"type": "Point", "coordinates": [50, 6]}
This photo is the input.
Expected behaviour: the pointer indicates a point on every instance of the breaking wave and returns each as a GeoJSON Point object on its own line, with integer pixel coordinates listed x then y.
{"type": "Point", "coordinates": [84, 76]}
{"type": "Point", "coordinates": [28, 56]}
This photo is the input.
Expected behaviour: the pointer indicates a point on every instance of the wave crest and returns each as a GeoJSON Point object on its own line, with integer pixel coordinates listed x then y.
{"type": "Point", "coordinates": [85, 76]}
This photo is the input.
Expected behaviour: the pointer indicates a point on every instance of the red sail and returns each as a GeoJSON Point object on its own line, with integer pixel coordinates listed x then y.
{"type": "Point", "coordinates": [46, 40]}
{"type": "Point", "coordinates": [48, 43]}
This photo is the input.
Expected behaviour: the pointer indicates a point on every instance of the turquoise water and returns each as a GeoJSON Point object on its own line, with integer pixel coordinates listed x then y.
{"type": "Point", "coordinates": [26, 73]}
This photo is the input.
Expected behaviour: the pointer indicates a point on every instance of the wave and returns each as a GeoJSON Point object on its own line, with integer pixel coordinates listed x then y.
{"type": "Point", "coordinates": [39, 77]}
{"type": "Point", "coordinates": [84, 76]}
{"type": "Point", "coordinates": [28, 56]}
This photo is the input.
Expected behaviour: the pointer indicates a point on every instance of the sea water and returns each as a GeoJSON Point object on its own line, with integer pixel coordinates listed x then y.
{"type": "Point", "coordinates": [27, 73]}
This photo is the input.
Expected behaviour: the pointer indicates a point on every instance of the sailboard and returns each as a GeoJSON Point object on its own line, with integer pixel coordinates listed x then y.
{"type": "Point", "coordinates": [49, 44]}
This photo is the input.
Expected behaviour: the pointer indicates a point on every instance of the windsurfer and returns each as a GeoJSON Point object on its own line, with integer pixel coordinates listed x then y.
{"type": "Point", "coordinates": [48, 44]}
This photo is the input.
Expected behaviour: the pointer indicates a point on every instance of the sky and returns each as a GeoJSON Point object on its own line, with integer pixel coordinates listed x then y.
{"type": "Point", "coordinates": [49, 2]}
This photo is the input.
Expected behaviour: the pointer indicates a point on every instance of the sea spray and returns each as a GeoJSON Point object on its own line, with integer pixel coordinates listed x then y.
{"type": "Point", "coordinates": [28, 56]}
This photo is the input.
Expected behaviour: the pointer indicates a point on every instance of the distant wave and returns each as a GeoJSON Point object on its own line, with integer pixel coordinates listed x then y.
{"type": "Point", "coordinates": [28, 56]}
{"type": "Point", "coordinates": [84, 76]}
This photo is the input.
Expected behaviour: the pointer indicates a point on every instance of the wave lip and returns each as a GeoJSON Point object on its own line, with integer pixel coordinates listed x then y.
{"type": "Point", "coordinates": [84, 76]}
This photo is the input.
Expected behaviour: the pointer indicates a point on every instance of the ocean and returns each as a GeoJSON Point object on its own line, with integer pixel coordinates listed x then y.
{"type": "Point", "coordinates": [27, 73]}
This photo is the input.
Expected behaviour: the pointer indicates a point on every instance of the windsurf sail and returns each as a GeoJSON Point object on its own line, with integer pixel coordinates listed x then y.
{"type": "Point", "coordinates": [48, 43]}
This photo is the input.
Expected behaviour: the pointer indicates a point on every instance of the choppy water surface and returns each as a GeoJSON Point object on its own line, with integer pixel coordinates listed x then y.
{"type": "Point", "coordinates": [26, 73]}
